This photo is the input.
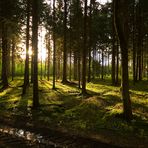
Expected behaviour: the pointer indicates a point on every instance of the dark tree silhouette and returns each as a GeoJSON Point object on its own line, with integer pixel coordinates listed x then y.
{"type": "Point", "coordinates": [121, 23]}
{"type": "Point", "coordinates": [84, 50]}
{"type": "Point", "coordinates": [26, 74]}
{"type": "Point", "coordinates": [35, 19]}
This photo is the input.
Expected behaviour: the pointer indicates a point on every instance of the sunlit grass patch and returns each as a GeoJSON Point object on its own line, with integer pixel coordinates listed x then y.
{"type": "Point", "coordinates": [102, 88]}
{"type": "Point", "coordinates": [85, 115]}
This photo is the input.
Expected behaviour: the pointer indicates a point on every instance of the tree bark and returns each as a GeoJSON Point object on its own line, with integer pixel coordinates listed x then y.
{"type": "Point", "coordinates": [64, 79]}
{"type": "Point", "coordinates": [48, 60]}
{"type": "Point", "coordinates": [84, 50]}
{"type": "Point", "coordinates": [26, 74]}
{"type": "Point", "coordinates": [35, 19]}
{"type": "Point", "coordinates": [4, 56]}
{"type": "Point", "coordinates": [121, 23]}
{"type": "Point", "coordinates": [54, 47]}
{"type": "Point", "coordinates": [4, 35]}
{"type": "Point", "coordinates": [102, 66]}
{"type": "Point", "coordinates": [113, 50]}
{"type": "Point", "coordinates": [134, 47]}
{"type": "Point", "coordinates": [13, 59]}
{"type": "Point", "coordinates": [90, 43]}
{"type": "Point", "coordinates": [75, 65]}
{"type": "Point", "coordinates": [117, 63]}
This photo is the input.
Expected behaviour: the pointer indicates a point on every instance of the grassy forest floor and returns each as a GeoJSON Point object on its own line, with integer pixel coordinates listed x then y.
{"type": "Point", "coordinates": [94, 115]}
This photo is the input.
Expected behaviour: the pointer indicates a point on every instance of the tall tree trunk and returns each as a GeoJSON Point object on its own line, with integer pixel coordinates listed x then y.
{"type": "Point", "coordinates": [35, 19]}
{"type": "Point", "coordinates": [4, 56]}
{"type": "Point", "coordinates": [58, 65]}
{"type": "Point", "coordinates": [64, 79]}
{"type": "Point", "coordinates": [102, 66]}
{"type": "Point", "coordinates": [48, 60]}
{"type": "Point", "coordinates": [45, 68]}
{"type": "Point", "coordinates": [54, 47]}
{"type": "Point", "coordinates": [108, 69]}
{"type": "Point", "coordinates": [134, 47]}
{"type": "Point", "coordinates": [70, 66]}
{"type": "Point", "coordinates": [113, 52]}
{"type": "Point", "coordinates": [89, 66]}
{"type": "Point", "coordinates": [8, 57]}
{"type": "Point", "coordinates": [90, 42]}
{"type": "Point", "coordinates": [84, 50]}
{"type": "Point", "coordinates": [41, 70]}
{"type": "Point", "coordinates": [13, 59]}
{"type": "Point", "coordinates": [70, 43]}
{"type": "Point", "coordinates": [32, 65]}
{"type": "Point", "coordinates": [79, 70]}
{"type": "Point", "coordinates": [26, 74]}
{"type": "Point", "coordinates": [93, 65]}
{"type": "Point", "coordinates": [75, 65]}
{"type": "Point", "coordinates": [117, 63]}
{"type": "Point", "coordinates": [41, 74]}
{"type": "Point", "coordinates": [140, 40]}
{"type": "Point", "coordinates": [121, 23]}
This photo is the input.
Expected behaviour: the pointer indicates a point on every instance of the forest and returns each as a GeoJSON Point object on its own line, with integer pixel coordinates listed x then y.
{"type": "Point", "coordinates": [74, 73]}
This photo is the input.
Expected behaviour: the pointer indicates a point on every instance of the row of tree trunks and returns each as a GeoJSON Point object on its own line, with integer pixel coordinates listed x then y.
{"type": "Point", "coordinates": [137, 37]}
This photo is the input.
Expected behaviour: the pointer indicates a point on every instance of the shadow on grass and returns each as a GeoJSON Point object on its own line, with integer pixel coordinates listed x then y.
{"type": "Point", "coordinates": [139, 86]}
{"type": "Point", "coordinates": [67, 108]}
{"type": "Point", "coordinates": [107, 82]}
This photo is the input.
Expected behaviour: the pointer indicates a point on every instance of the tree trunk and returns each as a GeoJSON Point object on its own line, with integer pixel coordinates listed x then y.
{"type": "Point", "coordinates": [4, 56]}
{"type": "Point", "coordinates": [140, 40]}
{"type": "Point", "coordinates": [26, 74]}
{"type": "Point", "coordinates": [117, 63]}
{"type": "Point", "coordinates": [134, 47]}
{"type": "Point", "coordinates": [35, 19]}
{"type": "Point", "coordinates": [84, 50]}
{"type": "Point", "coordinates": [79, 70]}
{"type": "Point", "coordinates": [41, 74]}
{"type": "Point", "coordinates": [70, 66]}
{"type": "Point", "coordinates": [108, 68]}
{"type": "Point", "coordinates": [64, 79]}
{"type": "Point", "coordinates": [121, 23]}
{"type": "Point", "coordinates": [113, 50]}
{"type": "Point", "coordinates": [90, 43]}
{"type": "Point", "coordinates": [13, 60]}
{"type": "Point", "coordinates": [48, 64]}
{"type": "Point", "coordinates": [54, 47]}
{"type": "Point", "coordinates": [102, 66]}
{"type": "Point", "coordinates": [93, 65]}
{"type": "Point", "coordinates": [75, 65]}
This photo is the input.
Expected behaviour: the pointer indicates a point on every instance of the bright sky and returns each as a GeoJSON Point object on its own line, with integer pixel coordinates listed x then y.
{"type": "Point", "coordinates": [104, 1]}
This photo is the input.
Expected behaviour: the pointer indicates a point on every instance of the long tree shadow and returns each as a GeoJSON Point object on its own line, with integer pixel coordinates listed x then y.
{"type": "Point", "coordinates": [139, 86]}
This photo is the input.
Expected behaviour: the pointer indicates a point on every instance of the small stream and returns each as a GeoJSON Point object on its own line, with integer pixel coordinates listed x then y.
{"type": "Point", "coordinates": [28, 137]}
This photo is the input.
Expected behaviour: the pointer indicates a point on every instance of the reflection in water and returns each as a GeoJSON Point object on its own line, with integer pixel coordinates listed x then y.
{"type": "Point", "coordinates": [19, 133]}
{"type": "Point", "coordinates": [26, 135]}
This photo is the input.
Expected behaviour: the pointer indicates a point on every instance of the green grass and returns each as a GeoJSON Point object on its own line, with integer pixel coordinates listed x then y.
{"type": "Point", "coordinates": [65, 107]}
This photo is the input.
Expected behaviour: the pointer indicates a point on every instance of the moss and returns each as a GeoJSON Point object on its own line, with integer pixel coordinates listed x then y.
{"type": "Point", "coordinates": [67, 108]}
